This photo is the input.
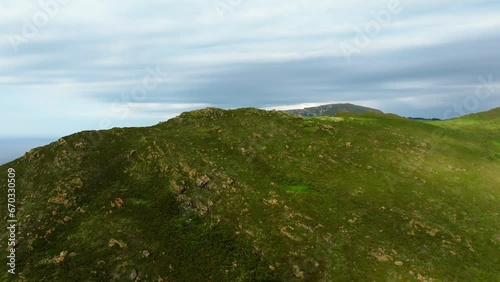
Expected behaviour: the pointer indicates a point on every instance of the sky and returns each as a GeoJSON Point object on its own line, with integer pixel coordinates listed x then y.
{"type": "Point", "coordinates": [72, 65]}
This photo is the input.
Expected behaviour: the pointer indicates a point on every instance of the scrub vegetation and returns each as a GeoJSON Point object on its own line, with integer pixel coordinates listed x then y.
{"type": "Point", "coordinates": [253, 195]}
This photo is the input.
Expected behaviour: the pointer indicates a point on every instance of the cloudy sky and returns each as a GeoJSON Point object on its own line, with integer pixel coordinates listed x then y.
{"type": "Point", "coordinates": [70, 65]}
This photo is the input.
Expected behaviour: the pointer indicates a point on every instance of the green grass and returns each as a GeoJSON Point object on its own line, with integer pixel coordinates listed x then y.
{"type": "Point", "coordinates": [299, 189]}
{"type": "Point", "coordinates": [139, 202]}
{"type": "Point", "coordinates": [251, 195]}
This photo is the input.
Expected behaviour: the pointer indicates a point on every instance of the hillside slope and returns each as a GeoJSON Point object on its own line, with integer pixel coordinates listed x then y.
{"type": "Point", "coordinates": [251, 195]}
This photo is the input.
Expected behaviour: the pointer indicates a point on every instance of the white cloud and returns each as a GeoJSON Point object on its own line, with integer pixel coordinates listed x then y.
{"type": "Point", "coordinates": [92, 51]}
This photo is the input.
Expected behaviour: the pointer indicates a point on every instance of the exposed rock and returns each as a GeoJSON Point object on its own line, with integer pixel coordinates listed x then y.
{"type": "Point", "coordinates": [118, 203]}
{"type": "Point", "coordinates": [132, 155]}
{"type": "Point", "coordinates": [146, 253]}
{"type": "Point", "coordinates": [287, 234]}
{"type": "Point", "coordinates": [76, 183]}
{"type": "Point", "coordinates": [381, 256]}
{"type": "Point", "coordinates": [272, 202]}
{"type": "Point", "coordinates": [297, 272]}
{"type": "Point", "coordinates": [203, 181]}
{"type": "Point", "coordinates": [79, 145]}
{"type": "Point", "coordinates": [57, 260]}
{"type": "Point", "coordinates": [133, 275]}
{"type": "Point", "coordinates": [61, 200]}
{"type": "Point", "coordinates": [113, 242]}
{"type": "Point", "coordinates": [179, 189]}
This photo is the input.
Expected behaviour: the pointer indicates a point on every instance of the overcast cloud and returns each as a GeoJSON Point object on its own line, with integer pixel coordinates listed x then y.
{"type": "Point", "coordinates": [102, 63]}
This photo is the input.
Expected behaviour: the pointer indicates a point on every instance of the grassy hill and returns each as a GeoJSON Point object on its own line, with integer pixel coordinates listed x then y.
{"type": "Point", "coordinates": [331, 109]}
{"type": "Point", "coordinates": [252, 195]}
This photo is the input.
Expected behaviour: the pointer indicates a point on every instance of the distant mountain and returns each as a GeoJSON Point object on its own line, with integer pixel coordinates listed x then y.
{"type": "Point", "coordinates": [332, 109]}
{"type": "Point", "coordinates": [253, 195]}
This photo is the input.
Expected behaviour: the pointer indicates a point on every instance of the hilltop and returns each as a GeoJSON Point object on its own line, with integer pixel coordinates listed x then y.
{"type": "Point", "coordinates": [491, 115]}
{"type": "Point", "coordinates": [331, 109]}
{"type": "Point", "coordinates": [253, 195]}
